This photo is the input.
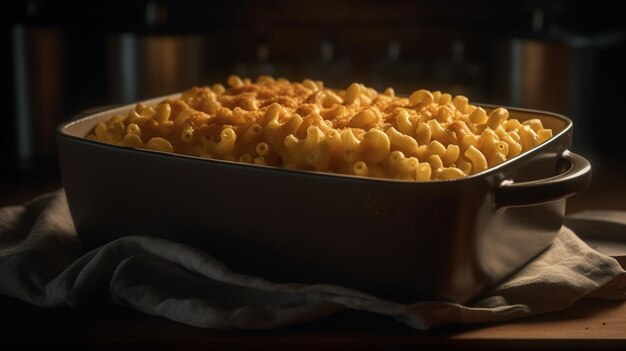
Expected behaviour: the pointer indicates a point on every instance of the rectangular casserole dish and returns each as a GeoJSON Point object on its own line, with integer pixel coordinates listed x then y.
{"type": "Point", "coordinates": [400, 240]}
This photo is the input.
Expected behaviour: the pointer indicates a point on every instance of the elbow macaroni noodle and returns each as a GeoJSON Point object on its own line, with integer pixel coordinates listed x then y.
{"type": "Point", "coordinates": [429, 135]}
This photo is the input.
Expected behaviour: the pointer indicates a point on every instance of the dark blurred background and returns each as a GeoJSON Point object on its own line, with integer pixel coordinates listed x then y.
{"type": "Point", "coordinates": [60, 58]}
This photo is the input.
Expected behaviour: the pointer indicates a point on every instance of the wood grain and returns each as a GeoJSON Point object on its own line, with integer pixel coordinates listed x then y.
{"type": "Point", "coordinates": [588, 319]}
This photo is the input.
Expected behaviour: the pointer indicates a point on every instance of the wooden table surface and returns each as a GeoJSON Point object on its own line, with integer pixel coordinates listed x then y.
{"type": "Point", "coordinates": [588, 324]}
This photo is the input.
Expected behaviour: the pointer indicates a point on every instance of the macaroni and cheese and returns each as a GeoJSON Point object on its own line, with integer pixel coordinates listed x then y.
{"type": "Point", "coordinates": [305, 126]}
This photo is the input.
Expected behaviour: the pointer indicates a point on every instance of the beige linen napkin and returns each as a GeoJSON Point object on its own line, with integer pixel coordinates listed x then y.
{"type": "Point", "coordinates": [41, 262]}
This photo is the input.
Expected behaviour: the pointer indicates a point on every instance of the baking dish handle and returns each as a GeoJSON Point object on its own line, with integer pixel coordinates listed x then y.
{"type": "Point", "coordinates": [541, 191]}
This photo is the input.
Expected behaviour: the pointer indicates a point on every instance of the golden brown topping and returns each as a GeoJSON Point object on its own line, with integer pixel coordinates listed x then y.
{"type": "Point", "coordinates": [429, 135]}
